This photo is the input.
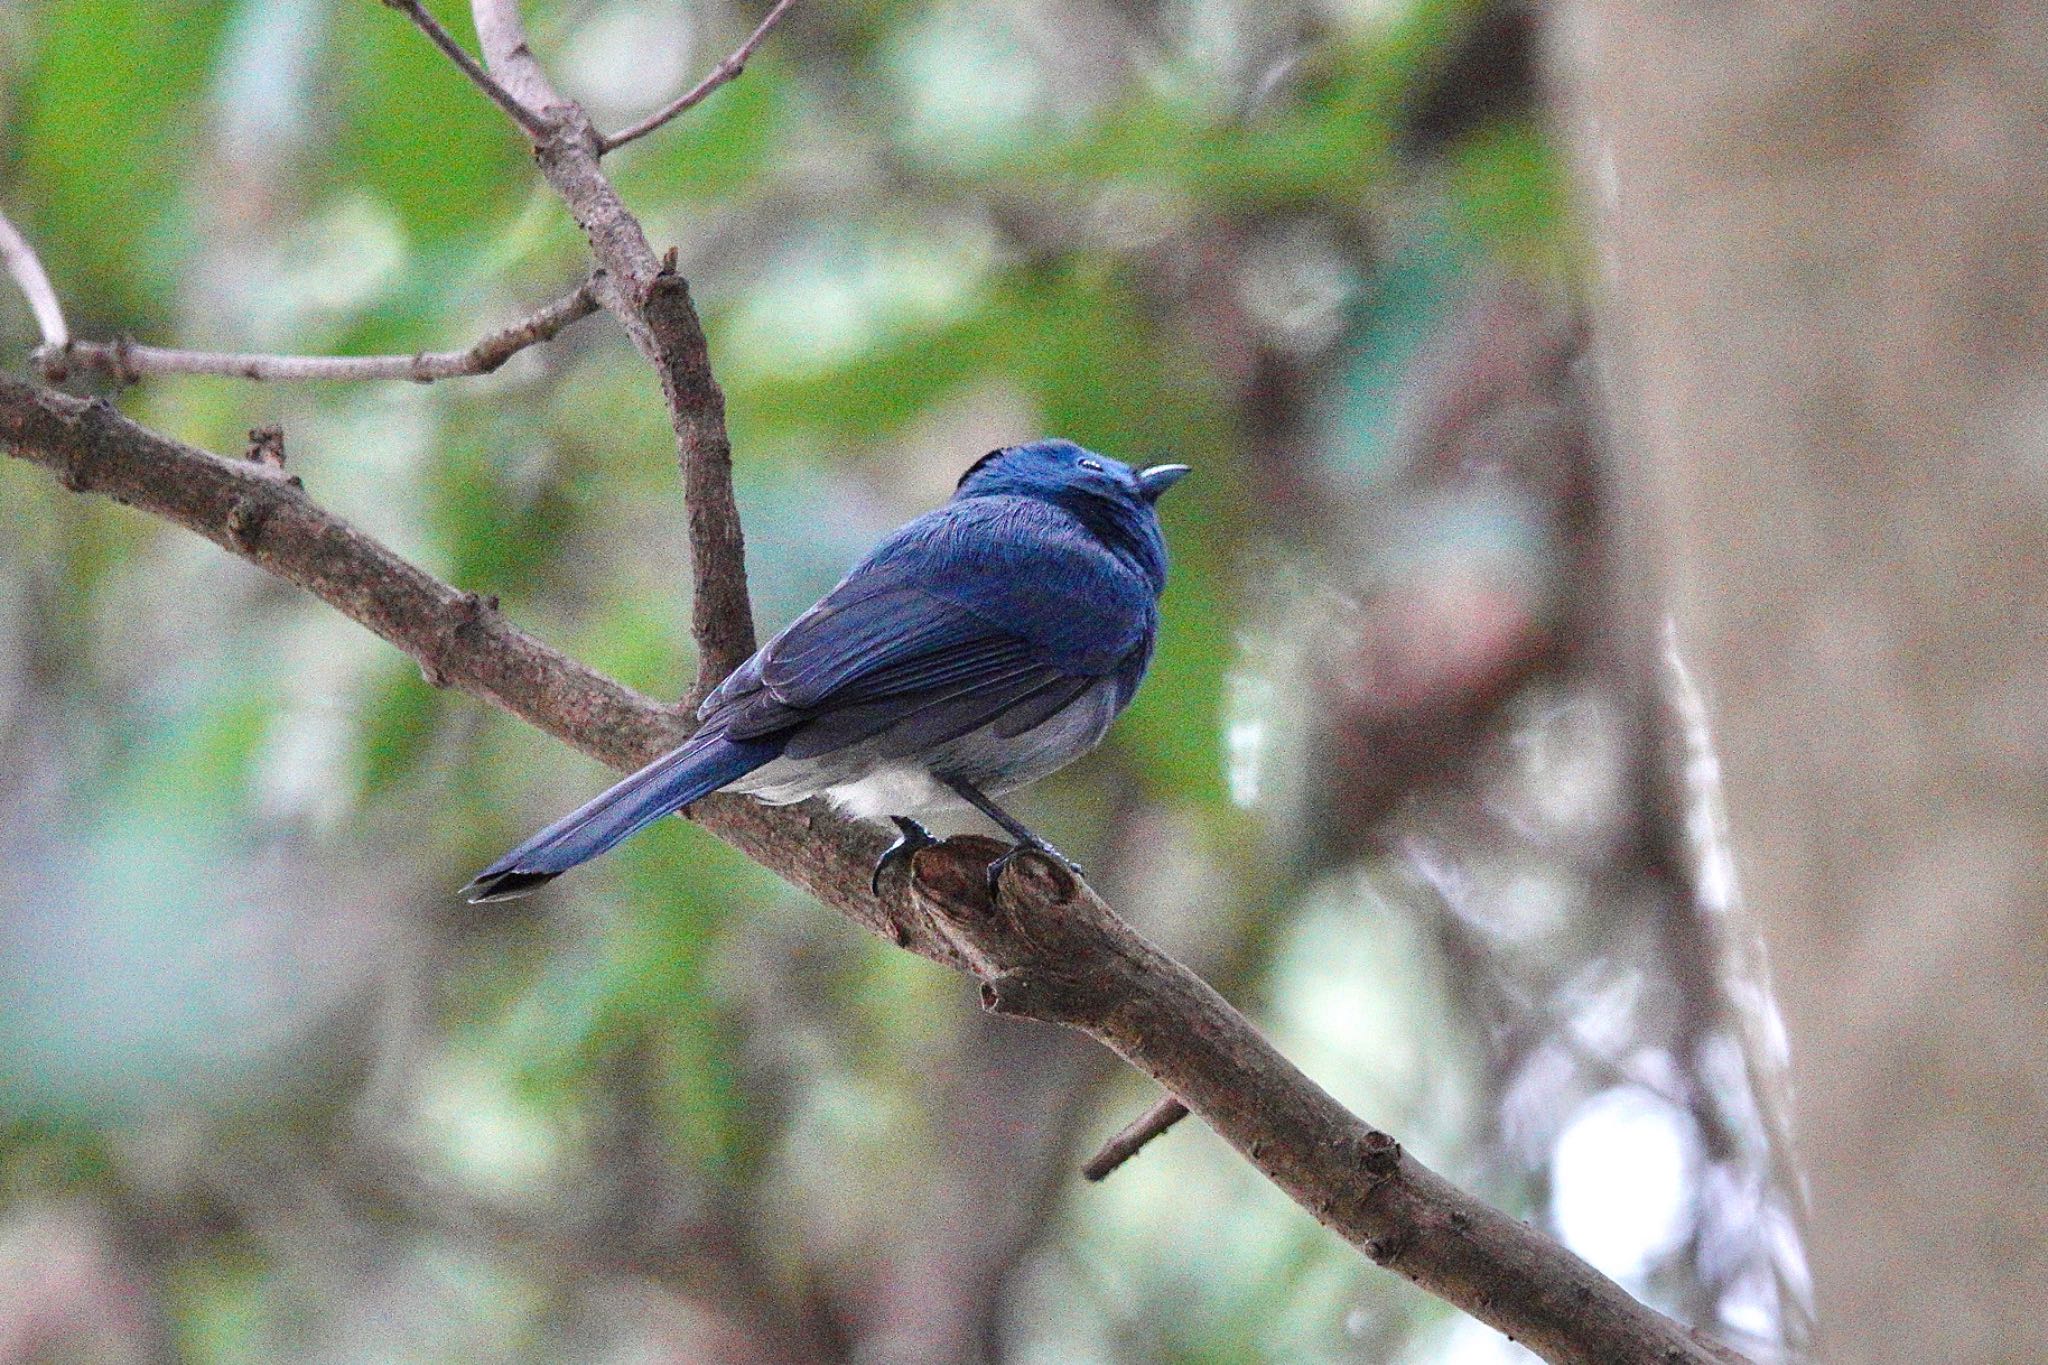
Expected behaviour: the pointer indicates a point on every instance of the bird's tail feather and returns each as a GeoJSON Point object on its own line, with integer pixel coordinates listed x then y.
{"type": "Point", "coordinates": [698, 768]}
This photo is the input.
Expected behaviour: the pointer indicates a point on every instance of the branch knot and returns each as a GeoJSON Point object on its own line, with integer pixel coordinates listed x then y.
{"type": "Point", "coordinates": [244, 523]}
{"type": "Point", "coordinates": [126, 375]}
{"type": "Point", "coordinates": [1379, 1154]}
{"type": "Point", "coordinates": [1052, 997]}
{"type": "Point", "coordinates": [467, 609]}
{"type": "Point", "coordinates": [91, 420]}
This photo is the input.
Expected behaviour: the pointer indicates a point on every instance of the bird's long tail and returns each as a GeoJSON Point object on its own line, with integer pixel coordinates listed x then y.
{"type": "Point", "coordinates": [698, 768]}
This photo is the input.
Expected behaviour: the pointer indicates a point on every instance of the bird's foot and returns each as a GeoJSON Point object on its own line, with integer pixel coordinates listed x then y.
{"type": "Point", "coordinates": [1034, 845]}
{"type": "Point", "coordinates": [910, 837]}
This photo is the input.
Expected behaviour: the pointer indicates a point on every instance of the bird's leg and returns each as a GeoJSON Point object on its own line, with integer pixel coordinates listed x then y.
{"type": "Point", "coordinates": [910, 837]}
{"type": "Point", "coordinates": [1012, 826]}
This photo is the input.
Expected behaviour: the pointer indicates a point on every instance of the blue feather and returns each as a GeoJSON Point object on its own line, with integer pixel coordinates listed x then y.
{"type": "Point", "coordinates": [700, 767]}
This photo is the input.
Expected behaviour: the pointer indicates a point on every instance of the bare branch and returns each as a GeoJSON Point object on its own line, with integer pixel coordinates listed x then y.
{"type": "Point", "coordinates": [726, 70]}
{"type": "Point", "coordinates": [1132, 1137]}
{"type": "Point", "coordinates": [653, 302]}
{"type": "Point", "coordinates": [1048, 949]}
{"type": "Point", "coordinates": [520, 114]}
{"type": "Point", "coordinates": [128, 362]}
{"type": "Point", "coordinates": [27, 269]}
{"type": "Point", "coordinates": [502, 34]}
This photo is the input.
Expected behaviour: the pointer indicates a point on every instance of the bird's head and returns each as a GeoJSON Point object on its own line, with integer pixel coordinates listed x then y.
{"type": "Point", "coordinates": [1109, 497]}
{"type": "Point", "coordinates": [1063, 472]}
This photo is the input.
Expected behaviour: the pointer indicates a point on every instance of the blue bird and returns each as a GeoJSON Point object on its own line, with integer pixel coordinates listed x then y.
{"type": "Point", "coordinates": [982, 646]}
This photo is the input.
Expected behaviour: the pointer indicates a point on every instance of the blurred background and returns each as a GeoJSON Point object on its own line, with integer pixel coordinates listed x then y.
{"type": "Point", "coordinates": [1414, 780]}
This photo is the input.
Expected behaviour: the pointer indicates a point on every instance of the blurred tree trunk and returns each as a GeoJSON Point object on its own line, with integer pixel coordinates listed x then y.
{"type": "Point", "coordinates": [1825, 237]}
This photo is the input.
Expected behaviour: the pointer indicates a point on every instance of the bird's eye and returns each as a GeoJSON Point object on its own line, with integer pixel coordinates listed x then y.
{"type": "Point", "coordinates": [1095, 465]}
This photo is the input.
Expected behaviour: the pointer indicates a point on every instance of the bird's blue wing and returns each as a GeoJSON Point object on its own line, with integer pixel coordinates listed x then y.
{"type": "Point", "coordinates": [957, 622]}
{"type": "Point", "coordinates": [910, 723]}
{"type": "Point", "coordinates": [1042, 705]}
{"type": "Point", "coordinates": [867, 662]}
{"type": "Point", "coordinates": [881, 643]}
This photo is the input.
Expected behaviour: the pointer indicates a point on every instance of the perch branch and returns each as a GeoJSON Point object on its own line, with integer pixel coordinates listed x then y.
{"type": "Point", "coordinates": [1048, 949]}
{"type": "Point", "coordinates": [128, 362]}
{"type": "Point", "coordinates": [728, 69]}
{"type": "Point", "coordinates": [28, 272]}
{"type": "Point", "coordinates": [520, 113]}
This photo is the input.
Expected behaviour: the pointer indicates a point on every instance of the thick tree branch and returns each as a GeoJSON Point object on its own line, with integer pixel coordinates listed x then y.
{"type": "Point", "coordinates": [126, 361]}
{"type": "Point", "coordinates": [459, 639]}
{"type": "Point", "coordinates": [728, 69]}
{"type": "Point", "coordinates": [1050, 950]}
{"type": "Point", "coordinates": [654, 303]}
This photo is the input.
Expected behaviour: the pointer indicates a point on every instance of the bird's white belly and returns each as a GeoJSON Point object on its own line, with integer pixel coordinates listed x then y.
{"type": "Point", "coordinates": [894, 789]}
{"type": "Point", "coordinates": [869, 787]}
{"type": "Point", "coordinates": [862, 788]}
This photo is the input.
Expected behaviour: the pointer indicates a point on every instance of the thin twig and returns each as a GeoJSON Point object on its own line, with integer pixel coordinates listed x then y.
{"type": "Point", "coordinates": [502, 35]}
{"type": "Point", "coordinates": [28, 272]}
{"type": "Point", "coordinates": [726, 70]}
{"type": "Point", "coordinates": [526, 118]}
{"type": "Point", "coordinates": [1133, 1137]}
{"type": "Point", "coordinates": [128, 362]}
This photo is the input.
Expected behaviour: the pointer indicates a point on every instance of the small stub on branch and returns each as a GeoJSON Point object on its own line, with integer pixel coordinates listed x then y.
{"type": "Point", "coordinates": [266, 445]}
{"type": "Point", "coordinates": [1379, 1153]}
{"type": "Point", "coordinates": [1163, 1114]}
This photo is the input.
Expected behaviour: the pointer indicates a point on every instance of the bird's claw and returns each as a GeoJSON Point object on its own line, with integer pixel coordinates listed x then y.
{"type": "Point", "coordinates": [910, 837]}
{"type": "Point", "coordinates": [1042, 849]}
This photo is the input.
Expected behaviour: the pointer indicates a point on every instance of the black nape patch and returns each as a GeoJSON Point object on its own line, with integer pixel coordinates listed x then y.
{"type": "Point", "coordinates": [976, 466]}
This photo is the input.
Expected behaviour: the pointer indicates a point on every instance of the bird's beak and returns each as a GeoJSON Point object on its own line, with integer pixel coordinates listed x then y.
{"type": "Point", "coordinates": [1160, 477]}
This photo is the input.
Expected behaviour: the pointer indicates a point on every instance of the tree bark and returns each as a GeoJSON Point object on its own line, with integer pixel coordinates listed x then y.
{"type": "Point", "coordinates": [1823, 229]}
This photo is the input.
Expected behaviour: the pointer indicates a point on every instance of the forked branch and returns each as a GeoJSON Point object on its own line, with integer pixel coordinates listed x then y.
{"type": "Point", "coordinates": [654, 304]}
{"type": "Point", "coordinates": [520, 113]}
